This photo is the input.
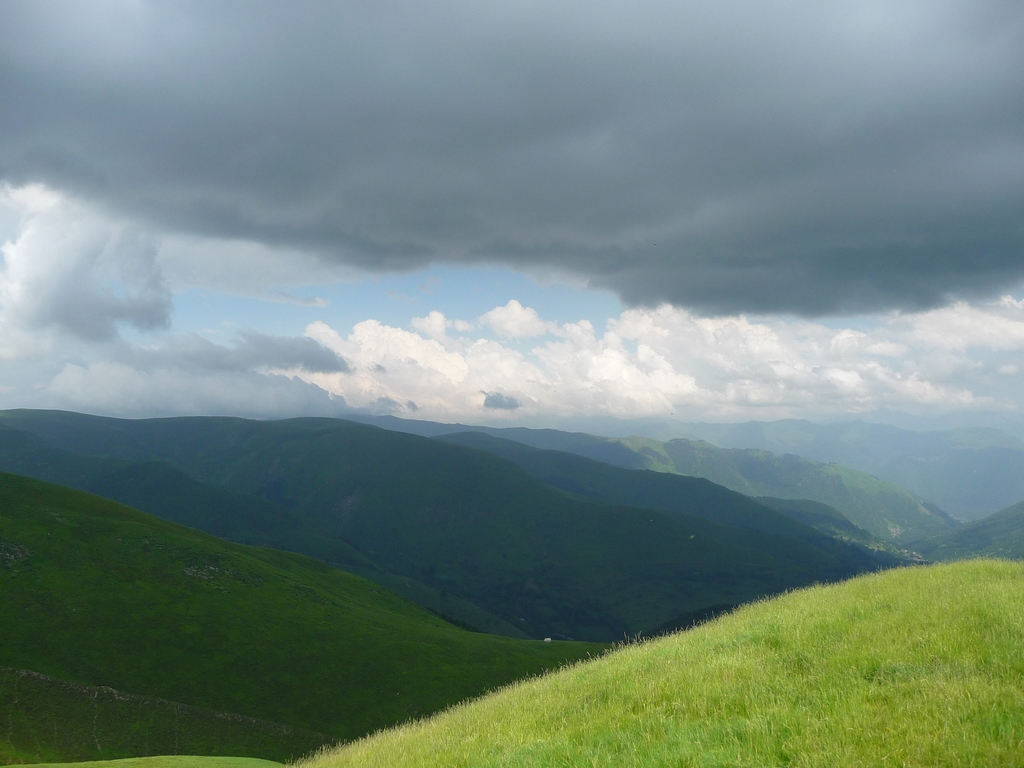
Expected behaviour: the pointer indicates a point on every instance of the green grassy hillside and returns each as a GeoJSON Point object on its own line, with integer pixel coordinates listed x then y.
{"type": "Point", "coordinates": [998, 535]}
{"type": "Point", "coordinates": [913, 667]}
{"type": "Point", "coordinates": [825, 519]}
{"type": "Point", "coordinates": [472, 525]}
{"type": "Point", "coordinates": [882, 508]}
{"type": "Point", "coordinates": [96, 593]}
{"type": "Point", "coordinates": [167, 492]}
{"type": "Point", "coordinates": [46, 719]}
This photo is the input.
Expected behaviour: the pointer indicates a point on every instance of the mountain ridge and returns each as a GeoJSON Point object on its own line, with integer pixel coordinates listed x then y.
{"type": "Point", "coordinates": [467, 523]}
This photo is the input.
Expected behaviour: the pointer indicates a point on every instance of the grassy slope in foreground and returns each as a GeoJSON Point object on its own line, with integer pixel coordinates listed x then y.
{"type": "Point", "coordinates": [100, 594]}
{"type": "Point", "coordinates": [916, 666]}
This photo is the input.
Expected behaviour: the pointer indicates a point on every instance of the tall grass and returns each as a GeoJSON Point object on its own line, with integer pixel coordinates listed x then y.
{"type": "Point", "coordinates": [915, 667]}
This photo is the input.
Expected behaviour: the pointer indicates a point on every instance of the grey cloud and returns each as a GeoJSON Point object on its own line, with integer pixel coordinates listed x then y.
{"type": "Point", "coordinates": [119, 390]}
{"type": "Point", "coordinates": [183, 377]}
{"type": "Point", "coordinates": [499, 402]}
{"type": "Point", "coordinates": [259, 350]}
{"type": "Point", "coordinates": [81, 303]}
{"type": "Point", "coordinates": [388, 406]}
{"type": "Point", "coordinates": [188, 375]}
{"type": "Point", "coordinates": [82, 277]}
{"type": "Point", "coordinates": [732, 156]}
{"type": "Point", "coordinates": [253, 352]}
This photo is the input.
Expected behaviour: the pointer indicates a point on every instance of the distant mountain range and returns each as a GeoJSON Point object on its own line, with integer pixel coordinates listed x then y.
{"type": "Point", "coordinates": [445, 521]}
{"type": "Point", "coordinates": [969, 472]}
{"type": "Point", "coordinates": [683, 494]}
{"type": "Point", "coordinates": [998, 535]}
{"type": "Point", "coordinates": [881, 507]}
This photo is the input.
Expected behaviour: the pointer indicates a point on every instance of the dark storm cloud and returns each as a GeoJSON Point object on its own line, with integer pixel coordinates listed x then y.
{"type": "Point", "coordinates": [808, 157]}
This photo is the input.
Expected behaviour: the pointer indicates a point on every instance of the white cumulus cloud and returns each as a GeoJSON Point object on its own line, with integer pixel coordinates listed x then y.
{"type": "Point", "coordinates": [514, 321]}
{"type": "Point", "coordinates": [663, 361]}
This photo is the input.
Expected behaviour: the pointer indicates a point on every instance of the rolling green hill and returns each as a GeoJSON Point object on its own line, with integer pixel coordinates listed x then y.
{"type": "Point", "coordinates": [913, 667]}
{"type": "Point", "coordinates": [167, 492]}
{"type": "Point", "coordinates": [95, 593]}
{"type": "Point", "coordinates": [884, 509]}
{"type": "Point", "coordinates": [777, 524]}
{"type": "Point", "coordinates": [967, 472]}
{"type": "Point", "coordinates": [825, 519]}
{"type": "Point", "coordinates": [879, 507]}
{"type": "Point", "coordinates": [48, 720]}
{"type": "Point", "coordinates": [998, 535]}
{"type": "Point", "coordinates": [473, 525]}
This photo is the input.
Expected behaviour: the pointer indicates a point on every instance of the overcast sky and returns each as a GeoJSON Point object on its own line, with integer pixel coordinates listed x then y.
{"type": "Point", "coordinates": [512, 210]}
